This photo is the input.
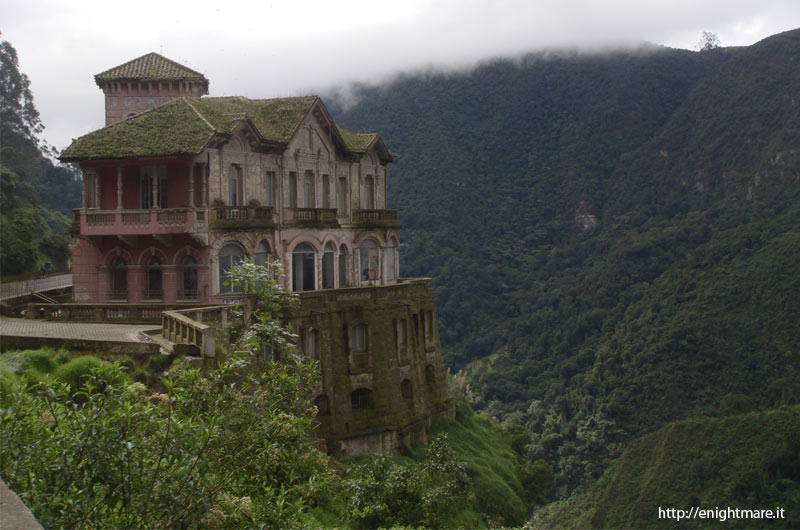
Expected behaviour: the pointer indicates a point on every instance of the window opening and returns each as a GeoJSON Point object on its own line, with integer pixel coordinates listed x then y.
{"type": "Point", "coordinates": [361, 398]}
{"type": "Point", "coordinates": [189, 278]}
{"type": "Point", "coordinates": [119, 279]}
{"type": "Point", "coordinates": [231, 254]}
{"type": "Point", "coordinates": [292, 189]}
{"type": "Point", "coordinates": [327, 267]}
{"type": "Point", "coordinates": [154, 284]}
{"type": "Point", "coordinates": [370, 260]}
{"type": "Point", "coordinates": [358, 339]}
{"type": "Point", "coordinates": [303, 268]}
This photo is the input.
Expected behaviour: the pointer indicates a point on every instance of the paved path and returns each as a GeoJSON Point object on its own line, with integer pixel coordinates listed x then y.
{"type": "Point", "coordinates": [23, 327]}
{"type": "Point", "coordinates": [26, 287]}
{"type": "Point", "coordinates": [14, 515]}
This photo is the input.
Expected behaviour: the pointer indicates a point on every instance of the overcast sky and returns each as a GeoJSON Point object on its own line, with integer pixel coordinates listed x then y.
{"type": "Point", "coordinates": [285, 48]}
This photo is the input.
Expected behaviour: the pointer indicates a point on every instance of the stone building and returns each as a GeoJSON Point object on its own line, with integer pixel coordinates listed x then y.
{"type": "Point", "coordinates": [178, 187]}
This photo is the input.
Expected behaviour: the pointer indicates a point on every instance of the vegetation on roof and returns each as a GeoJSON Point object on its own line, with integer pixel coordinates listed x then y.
{"type": "Point", "coordinates": [174, 128]}
{"type": "Point", "coordinates": [186, 125]}
{"type": "Point", "coordinates": [149, 67]}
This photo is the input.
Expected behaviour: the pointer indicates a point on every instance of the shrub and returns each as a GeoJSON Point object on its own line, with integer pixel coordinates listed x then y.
{"type": "Point", "coordinates": [75, 372]}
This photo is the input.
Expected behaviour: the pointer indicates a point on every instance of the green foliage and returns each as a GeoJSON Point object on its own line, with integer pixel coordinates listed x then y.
{"type": "Point", "coordinates": [224, 448]}
{"type": "Point", "coordinates": [632, 222]}
{"type": "Point", "coordinates": [385, 493]}
{"type": "Point", "coordinates": [34, 193]}
{"type": "Point", "coordinates": [748, 461]}
{"type": "Point", "coordinates": [75, 372]}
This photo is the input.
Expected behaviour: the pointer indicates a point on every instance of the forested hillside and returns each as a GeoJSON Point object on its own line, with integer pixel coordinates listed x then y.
{"type": "Point", "coordinates": [36, 196]}
{"type": "Point", "coordinates": [614, 238]}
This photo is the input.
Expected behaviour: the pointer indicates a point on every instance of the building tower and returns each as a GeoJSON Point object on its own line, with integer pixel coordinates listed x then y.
{"type": "Point", "coordinates": [146, 82]}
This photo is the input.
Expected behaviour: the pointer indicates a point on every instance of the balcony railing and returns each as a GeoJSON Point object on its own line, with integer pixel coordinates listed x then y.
{"type": "Point", "coordinates": [134, 222]}
{"type": "Point", "coordinates": [375, 217]}
{"type": "Point", "coordinates": [241, 217]}
{"type": "Point", "coordinates": [311, 217]}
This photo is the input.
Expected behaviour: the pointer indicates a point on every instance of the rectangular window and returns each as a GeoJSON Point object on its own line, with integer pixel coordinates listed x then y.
{"type": "Point", "coordinates": [341, 195]}
{"type": "Point", "coordinates": [147, 175]}
{"type": "Point", "coordinates": [292, 189]}
{"type": "Point", "coordinates": [428, 326]}
{"type": "Point", "coordinates": [390, 268]}
{"type": "Point", "coordinates": [401, 331]}
{"type": "Point", "coordinates": [359, 338]}
{"type": "Point", "coordinates": [309, 201]}
{"type": "Point", "coordinates": [326, 191]}
{"type": "Point", "coordinates": [269, 188]}
{"type": "Point", "coordinates": [369, 193]}
{"type": "Point", "coordinates": [90, 183]}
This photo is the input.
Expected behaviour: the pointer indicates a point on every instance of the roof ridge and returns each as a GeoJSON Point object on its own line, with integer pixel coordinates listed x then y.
{"type": "Point", "coordinates": [153, 56]}
{"type": "Point", "coordinates": [186, 100]}
{"type": "Point", "coordinates": [297, 125]}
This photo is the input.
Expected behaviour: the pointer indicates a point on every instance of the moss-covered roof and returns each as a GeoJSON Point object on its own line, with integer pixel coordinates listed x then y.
{"type": "Point", "coordinates": [357, 142]}
{"type": "Point", "coordinates": [185, 126]}
{"type": "Point", "coordinates": [150, 67]}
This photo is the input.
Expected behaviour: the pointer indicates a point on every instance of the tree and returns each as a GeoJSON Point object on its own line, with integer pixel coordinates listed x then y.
{"type": "Point", "coordinates": [225, 448]}
{"type": "Point", "coordinates": [18, 115]}
{"type": "Point", "coordinates": [708, 41]}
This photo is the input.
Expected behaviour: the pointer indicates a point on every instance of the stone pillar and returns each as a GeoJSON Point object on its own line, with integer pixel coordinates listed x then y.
{"type": "Point", "coordinates": [119, 187]}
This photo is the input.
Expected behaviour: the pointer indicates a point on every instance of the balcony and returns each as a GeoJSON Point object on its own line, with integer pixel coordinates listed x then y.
{"type": "Point", "coordinates": [376, 218]}
{"type": "Point", "coordinates": [139, 222]}
{"type": "Point", "coordinates": [241, 218]}
{"type": "Point", "coordinates": [310, 217]}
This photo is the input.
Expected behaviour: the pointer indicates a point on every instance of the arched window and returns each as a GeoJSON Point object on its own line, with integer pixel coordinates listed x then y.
{"type": "Point", "coordinates": [342, 266]}
{"type": "Point", "coordinates": [405, 390]}
{"type": "Point", "coordinates": [390, 258]}
{"type": "Point", "coordinates": [361, 398]}
{"type": "Point", "coordinates": [229, 255]}
{"type": "Point", "coordinates": [327, 267]}
{"type": "Point", "coordinates": [262, 252]}
{"type": "Point", "coordinates": [153, 278]}
{"type": "Point", "coordinates": [309, 189]}
{"type": "Point", "coordinates": [303, 268]}
{"type": "Point", "coordinates": [358, 338]}
{"type": "Point", "coordinates": [189, 278]}
{"type": "Point", "coordinates": [323, 405]}
{"type": "Point", "coordinates": [370, 262]}
{"type": "Point", "coordinates": [311, 346]}
{"type": "Point", "coordinates": [430, 374]}
{"type": "Point", "coordinates": [119, 279]}
{"type": "Point", "coordinates": [234, 185]}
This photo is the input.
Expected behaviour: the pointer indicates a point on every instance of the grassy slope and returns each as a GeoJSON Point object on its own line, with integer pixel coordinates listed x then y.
{"type": "Point", "coordinates": [747, 461]}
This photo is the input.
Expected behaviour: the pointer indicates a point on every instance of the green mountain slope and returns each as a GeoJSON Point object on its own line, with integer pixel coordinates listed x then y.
{"type": "Point", "coordinates": [749, 462]}
{"type": "Point", "coordinates": [614, 238]}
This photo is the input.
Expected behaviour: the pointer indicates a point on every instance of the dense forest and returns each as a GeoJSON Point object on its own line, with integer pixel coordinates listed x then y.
{"type": "Point", "coordinates": [36, 194]}
{"type": "Point", "coordinates": [613, 237]}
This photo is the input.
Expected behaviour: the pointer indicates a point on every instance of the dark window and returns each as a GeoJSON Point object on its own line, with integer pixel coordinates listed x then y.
{"type": "Point", "coordinates": [119, 279]}
{"type": "Point", "coordinates": [230, 255]}
{"type": "Point", "coordinates": [327, 267]}
{"type": "Point", "coordinates": [303, 268]}
{"type": "Point", "coordinates": [189, 274]}
{"type": "Point", "coordinates": [370, 263]}
{"type": "Point", "coordinates": [361, 398]}
{"type": "Point", "coordinates": [153, 275]}
{"type": "Point", "coordinates": [358, 339]}
{"type": "Point", "coordinates": [323, 406]}
{"type": "Point", "coordinates": [405, 390]}
{"type": "Point", "coordinates": [292, 189]}
{"type": "Point", "coordinates": [342, 266]}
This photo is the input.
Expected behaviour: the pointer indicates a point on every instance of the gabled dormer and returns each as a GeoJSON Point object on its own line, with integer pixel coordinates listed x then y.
{"type": "Point", "coordinates": [146, 82]}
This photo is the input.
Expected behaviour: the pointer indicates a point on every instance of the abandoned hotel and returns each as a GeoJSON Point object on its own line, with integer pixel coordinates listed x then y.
{"type": "Point", "coordinates": [179, 186]}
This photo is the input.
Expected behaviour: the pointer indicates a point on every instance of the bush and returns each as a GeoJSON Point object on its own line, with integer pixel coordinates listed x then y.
{"type": "Point", "coordinates": [75, 372]}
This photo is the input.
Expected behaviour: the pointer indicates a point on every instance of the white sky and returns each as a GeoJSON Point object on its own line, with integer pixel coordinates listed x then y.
{"type": "Point", "coordinates": [284, 48]}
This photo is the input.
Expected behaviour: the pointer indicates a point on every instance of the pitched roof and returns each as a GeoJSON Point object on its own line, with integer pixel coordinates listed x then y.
{"type": "Point", "coordinates": [185, 126]}
{"type": "Point", "coordinates": [150, 67]}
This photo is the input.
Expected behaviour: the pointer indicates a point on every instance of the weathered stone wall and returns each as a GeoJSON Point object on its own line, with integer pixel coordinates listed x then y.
{"type": "Point", "coordinates": [385, 395]}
